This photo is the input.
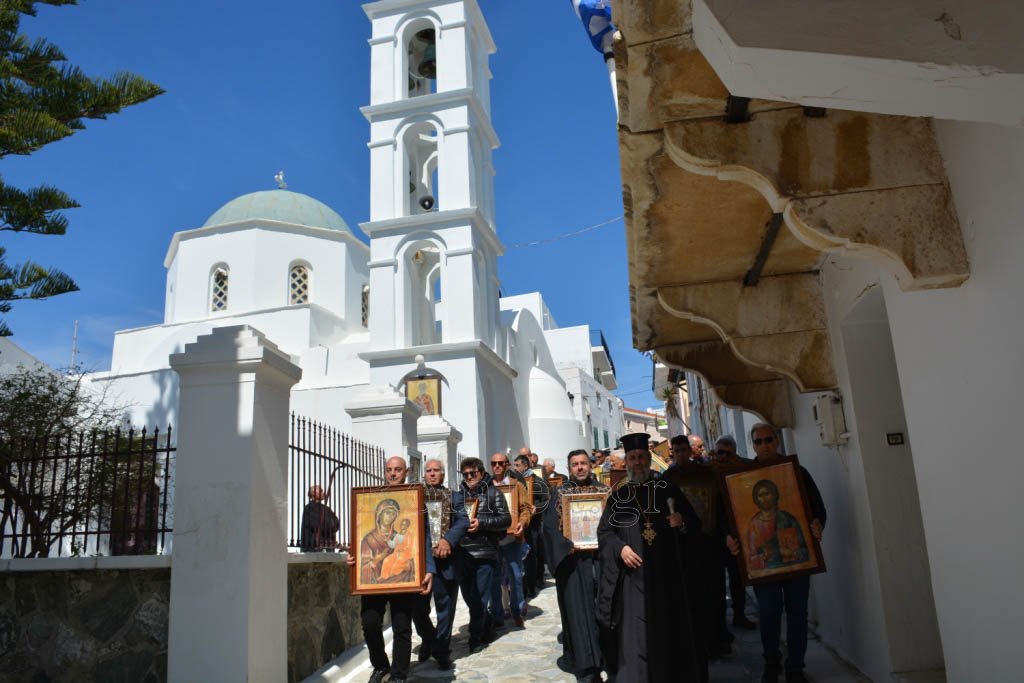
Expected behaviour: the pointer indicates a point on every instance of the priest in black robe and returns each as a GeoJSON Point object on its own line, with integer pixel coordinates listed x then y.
{"type": "Point", "coordinates": [642, 593]}
{"type": "Point", "coordinates": [576, 572]}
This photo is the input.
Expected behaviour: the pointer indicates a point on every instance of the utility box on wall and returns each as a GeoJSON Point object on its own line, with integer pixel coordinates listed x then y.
{"type": "Point", "coordinates": [828, 415]}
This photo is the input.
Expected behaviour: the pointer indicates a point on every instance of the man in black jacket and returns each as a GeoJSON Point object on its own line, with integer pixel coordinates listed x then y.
{"type": "Point", "coordinates": [790, 595]}
{"type": "Point", "coordinates": [319, 523]}
{"type": "Point", "coordinates": [477, 554]}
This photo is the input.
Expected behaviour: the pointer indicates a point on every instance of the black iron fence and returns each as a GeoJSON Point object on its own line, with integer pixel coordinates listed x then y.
{"type": "Point", "coordinates": [324, 465]}
{"type": "Point", "coordinates": [86, 493]}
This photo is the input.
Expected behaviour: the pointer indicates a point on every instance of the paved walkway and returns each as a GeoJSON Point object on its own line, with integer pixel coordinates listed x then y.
{"type": "Point", "coordinates": [528, 655]}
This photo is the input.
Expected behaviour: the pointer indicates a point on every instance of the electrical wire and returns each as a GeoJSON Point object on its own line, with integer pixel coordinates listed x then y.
{"type": "Point", "coordinates": [556, 238]}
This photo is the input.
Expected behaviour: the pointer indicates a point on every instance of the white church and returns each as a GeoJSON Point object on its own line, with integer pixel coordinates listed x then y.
{"type": "Point", "coordinates": [421, 301]}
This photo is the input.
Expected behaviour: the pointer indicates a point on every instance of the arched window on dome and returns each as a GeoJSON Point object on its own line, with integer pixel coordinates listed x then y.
{"type": "Point", "coordinates": [366, 305]}
{"type": "Point", "coordinates": [299, 284]}
{"type": "Point", "coordinates": [219, 289]}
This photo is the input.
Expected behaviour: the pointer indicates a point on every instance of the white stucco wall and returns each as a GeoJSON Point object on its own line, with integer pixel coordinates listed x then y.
{"type": "Point", "coordinates": [259, 256]}
{"type": "Point", "coordinates": [955, 353]}
{"type": "Point", "coordinates": [961, 373]}
{"type": "Point", "coordinates": [874, 603]}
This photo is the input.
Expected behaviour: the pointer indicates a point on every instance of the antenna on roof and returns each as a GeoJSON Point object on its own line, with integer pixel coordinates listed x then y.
{"type": "Point", "coordinates": [281, 184]}
{"type": "Point", "coordinates": [74, 348]}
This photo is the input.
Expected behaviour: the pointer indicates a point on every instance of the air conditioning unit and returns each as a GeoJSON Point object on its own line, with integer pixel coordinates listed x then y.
{"type": "Point", "coordinates": [828, 415]}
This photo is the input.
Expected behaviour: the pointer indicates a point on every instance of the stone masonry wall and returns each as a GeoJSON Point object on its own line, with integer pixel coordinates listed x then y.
{"type": "Point", "coordinates": [89, 625]}
{"type": "Point", "coordinates": [323, 618]}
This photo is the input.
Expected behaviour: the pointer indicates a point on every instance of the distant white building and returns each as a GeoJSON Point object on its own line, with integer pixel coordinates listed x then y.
{"type": "Point", "coordinates": [585, 364]}
{"type": "Point", "coordinates": [645, 421]}
{"type": "Point", "coordinates": [356, 317]}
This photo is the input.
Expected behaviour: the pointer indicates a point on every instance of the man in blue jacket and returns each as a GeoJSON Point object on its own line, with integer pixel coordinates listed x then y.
{"type": "Point", "coordinates": [403, 605]}
{"type": "Point", "coordinates": [447, 514]}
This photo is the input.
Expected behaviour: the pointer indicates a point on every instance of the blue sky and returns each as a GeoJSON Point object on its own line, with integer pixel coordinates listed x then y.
{"type": "Point", "coordinates": [256, 86]}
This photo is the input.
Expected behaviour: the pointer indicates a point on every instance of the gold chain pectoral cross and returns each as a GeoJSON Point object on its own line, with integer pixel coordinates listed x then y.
{"type": "Point", "coordinates": [649, 533]}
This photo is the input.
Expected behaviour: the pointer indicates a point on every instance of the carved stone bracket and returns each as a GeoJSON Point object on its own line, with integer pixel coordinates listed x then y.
{"type": "Point", "coordinates": [735, 383]}
{"type": "Point", "coordinates": [865, 184]}
{"type": "Point", "coordinates": [779, 326]}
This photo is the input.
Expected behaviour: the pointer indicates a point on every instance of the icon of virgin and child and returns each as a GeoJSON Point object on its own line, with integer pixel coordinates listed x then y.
{"type": "Point", "coordinates": [387, 554]}
{"type": "Point", "coordinates": [774, 537]}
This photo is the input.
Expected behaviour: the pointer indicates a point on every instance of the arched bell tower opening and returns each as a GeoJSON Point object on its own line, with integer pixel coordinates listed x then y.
{"type": "Point", "coordinates": [424, 289]}
{"type": "Point", "coordinates": [420, 41]}
{"type": "Point", "coordinates": [422, 154]}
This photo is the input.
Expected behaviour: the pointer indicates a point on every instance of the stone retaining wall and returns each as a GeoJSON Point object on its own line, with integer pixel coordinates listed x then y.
{"type": "Point", "coordinates": [323, 618]}
{"type": "Point", "coordinates": [91, 625]}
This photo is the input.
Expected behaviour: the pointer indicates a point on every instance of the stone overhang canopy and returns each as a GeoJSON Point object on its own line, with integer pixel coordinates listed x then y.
{"type": "Point", "coordinates": [732, 205]}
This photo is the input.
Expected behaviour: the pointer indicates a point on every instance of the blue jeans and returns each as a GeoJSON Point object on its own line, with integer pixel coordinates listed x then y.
{"type": "Point", "coordinates": [475, 577]}
{"type": "Point", "coordinates": [446, 595]}
{"type": "Point", "coordinates": [772, 598]}
{"type": "Point", "coordinates": [511, 566]}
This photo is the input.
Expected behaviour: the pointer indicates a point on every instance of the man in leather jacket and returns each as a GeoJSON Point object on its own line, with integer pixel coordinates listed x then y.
{"type": "Point", "coordinates": [477, 554]}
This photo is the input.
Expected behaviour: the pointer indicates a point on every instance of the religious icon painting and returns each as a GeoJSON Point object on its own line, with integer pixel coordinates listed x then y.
{"type": "Point", "coordinates": [581, 513]}
{"type": "Point", "coordinates": [471, 507]}
{"type": "Point", "coordinates": [389, 539]}
{"type": "Point", "coordinates": [511, 493]}
{"type": "Point", "coordinates": [605, 477]}
{"type": "Point", "coordinates": [538, 472]}
{"type": "Point", "coordinates": [770, 518]}
{"type": "Point", "coordinates": [699, 484]}
{"type": "Point", "coordinates": [556, 480]}
{"type": "Point", "coordinates": [425, 392]}
{"type": "Point", "coordinates": [439, 513]}
{"type": "Point", "coordinates": [617, 478]}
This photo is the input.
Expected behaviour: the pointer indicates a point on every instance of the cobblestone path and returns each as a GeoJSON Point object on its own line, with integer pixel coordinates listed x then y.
{"type": "Point", "coordinates": [529, 655]}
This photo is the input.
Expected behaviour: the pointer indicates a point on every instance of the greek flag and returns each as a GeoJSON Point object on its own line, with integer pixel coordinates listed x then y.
{"type": "Point", "coordinates": [596, 16]}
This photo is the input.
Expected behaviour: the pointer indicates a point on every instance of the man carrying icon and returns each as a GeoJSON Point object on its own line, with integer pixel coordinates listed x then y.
{"type": "Point", "coordinates": [402, 605]}
{"type": "Point", "coordinates": [576, 573]}
{"type": "Point", "coordinates": [641, 596]}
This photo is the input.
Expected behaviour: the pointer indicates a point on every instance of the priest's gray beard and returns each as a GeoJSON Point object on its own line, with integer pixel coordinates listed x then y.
{"type": "Point", "coordinates": [646, 476]}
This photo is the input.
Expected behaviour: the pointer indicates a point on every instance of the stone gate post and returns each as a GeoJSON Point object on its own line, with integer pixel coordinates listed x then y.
{"type": "Point", "coordinates": [229, 572]}
{"type": "Point", "coordinates": [439, 439]}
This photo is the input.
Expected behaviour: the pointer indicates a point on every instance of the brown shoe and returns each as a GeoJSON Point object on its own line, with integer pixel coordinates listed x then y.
{"type": "Point", "coordinates": [518, 620]}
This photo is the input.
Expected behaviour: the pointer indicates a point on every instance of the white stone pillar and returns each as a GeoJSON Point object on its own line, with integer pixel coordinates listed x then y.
{"type": "Point", "coordinates": [382, 416]}
{"type": "Point", "coordinates": [229, 572]}
{"type": "Point", "coordinates": [438, 439]}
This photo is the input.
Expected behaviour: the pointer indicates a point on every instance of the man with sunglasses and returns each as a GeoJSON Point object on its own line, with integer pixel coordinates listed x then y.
{"type": "Point", "coordinates": [788, 594]}
{"type": "Point", "coordinates": [477, 554]}
{"type": "Point", "coordinates": [511, 548]}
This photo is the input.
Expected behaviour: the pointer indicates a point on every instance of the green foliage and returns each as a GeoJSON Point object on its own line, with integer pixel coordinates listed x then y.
{"type": "Point", "coordinates": [44, 99]}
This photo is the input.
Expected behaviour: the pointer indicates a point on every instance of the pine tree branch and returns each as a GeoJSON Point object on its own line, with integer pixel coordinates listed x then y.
{"type": "Point", "coordinates": [35, 210]}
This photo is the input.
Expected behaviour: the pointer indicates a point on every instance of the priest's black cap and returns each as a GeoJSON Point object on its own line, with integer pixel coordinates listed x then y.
{"type": "Point", "coordinates": [635, 441]}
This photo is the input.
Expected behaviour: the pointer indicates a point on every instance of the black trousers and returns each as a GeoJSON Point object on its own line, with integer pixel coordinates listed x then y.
{"type": "Point", "coordinates": [736, 587]}
{"type": "Point", "coordinates": [424, 626]}
{"type": "Point", "coordinates": [372, 615]}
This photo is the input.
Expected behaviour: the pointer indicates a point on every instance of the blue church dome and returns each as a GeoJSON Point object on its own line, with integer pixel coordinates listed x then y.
{"type": "Point", "coordinates": [278, 205]}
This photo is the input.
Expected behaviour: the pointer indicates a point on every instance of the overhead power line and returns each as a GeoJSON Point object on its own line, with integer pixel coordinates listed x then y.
{"type": "Point", "coordinates": [556, 238]}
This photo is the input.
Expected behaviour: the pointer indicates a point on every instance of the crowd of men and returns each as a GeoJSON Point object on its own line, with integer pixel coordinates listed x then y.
{"type": "Point", "coordinates": [647, 605]}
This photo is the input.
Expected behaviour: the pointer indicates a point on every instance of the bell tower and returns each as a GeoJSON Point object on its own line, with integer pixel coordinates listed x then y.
{"type": "Point", "coordinates": [432, 238]}
{"type": "Point", "coordinates": [433, 247]}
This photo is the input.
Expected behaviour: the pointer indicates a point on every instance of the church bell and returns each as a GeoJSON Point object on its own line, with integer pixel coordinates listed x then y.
{"type": "Point", "coordinates": [427, 67]}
